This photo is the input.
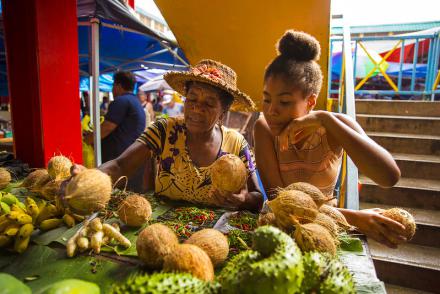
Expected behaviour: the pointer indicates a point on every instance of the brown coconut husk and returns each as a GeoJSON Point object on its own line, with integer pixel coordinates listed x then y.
{"type": "Point", "coordinates": [40, 183]}
{"type": "Point", "coordinates": [229, 173]}
{"type": "Point", "coordinates": [266, 219]}
{"type": "Point", "coordinates": [58, 167]}
{"type": "Point", "coordinates": [5, 177]}
{"type": "Point", "coordinates": [213, 242]}
{"type": "Point", "coordinates": [405, 218]}
{"type": "Point", "coordinates": [134, 210]}
{"type": "Point", "coordinates": [51, 190]}
{"type": "Point", "coordinates": [337, 216]}
{"type": "Point", "coordinates": [154, 243]}
{"type": "Point", "coordinates": [290, 205]}
{"type": "Point", "coordinates": [33, 177]}
{"type": "Point", "coordinates": [310, 190]}
{"type": "Point", "coordinates": [191, 259]}
{"type": "Point", "coordinates": [328, 223]}
{"type": "Point", "coordinates": [314, 237]}
{"type": "Point", "coordinates": [88, 191]}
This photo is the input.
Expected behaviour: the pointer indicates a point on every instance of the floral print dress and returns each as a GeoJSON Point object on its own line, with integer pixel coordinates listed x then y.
{"type": "Point", "coordinates": [178, 177]}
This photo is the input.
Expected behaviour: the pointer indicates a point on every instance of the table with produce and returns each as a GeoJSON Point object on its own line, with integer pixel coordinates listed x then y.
{"type": "Point", "coordinates": [92, 238]}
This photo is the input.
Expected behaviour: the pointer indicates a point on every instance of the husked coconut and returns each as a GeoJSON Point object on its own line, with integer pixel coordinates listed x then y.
{"type": "Point", "coordinates": [290, 206]}
{"type": "Point", "coordinates": [229, 173]}
{"type": "Point", "coordinates": [328, 223]}
{"type": "Point", "coordinates": [213, 242]}
{"type": "Point", "coordinates": [58, 167]}
{"type": "Point", "coordinates": [336, 215]}
{"type": "Point", "coordinates": [5, 177]}
{"type": "Point", "coordinates": [51, 189]}
{"type": "Point", "coordinates": [266, 219]}
{"type": "Point", "coordinates": [314, 237]}
{"type": "Point", "coordinates": [310, 190]}
{"type": "Point", "coordinates": [34, 177]}
{"type": "Point", "coordinates": [154, 243]}
{"type": "Point", "coordinates": [405, 218]}
{"type": "Point", "coordinates": [88, 191]}
{"type": "Point", "coordinates": [134, 210]}
{"type": "Point", "coordinates": [188, 258]}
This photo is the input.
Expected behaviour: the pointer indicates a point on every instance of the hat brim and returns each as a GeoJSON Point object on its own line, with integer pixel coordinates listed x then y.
{"type": "Point", "coordinates": [177, 81]}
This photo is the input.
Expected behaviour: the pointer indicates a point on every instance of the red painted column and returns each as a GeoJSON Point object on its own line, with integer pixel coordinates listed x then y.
{"type": "Point", "coordinates": [42, 58]}
{"type": "Point", "coordinates": [131, 3]}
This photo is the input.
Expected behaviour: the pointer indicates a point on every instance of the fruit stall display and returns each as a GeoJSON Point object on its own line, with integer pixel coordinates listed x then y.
{"type": "Point", "coordinates": [82, 234]}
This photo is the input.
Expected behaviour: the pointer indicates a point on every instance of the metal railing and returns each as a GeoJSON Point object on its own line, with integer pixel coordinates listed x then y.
{"type": "Point", "coordinates": [419, 78]}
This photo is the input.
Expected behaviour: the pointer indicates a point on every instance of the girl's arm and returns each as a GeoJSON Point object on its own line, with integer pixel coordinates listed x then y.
{"type": "Point", "coordinates": [266, 158]}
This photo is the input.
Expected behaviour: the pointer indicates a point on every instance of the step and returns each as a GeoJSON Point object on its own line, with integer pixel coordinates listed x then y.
{"type": "Point", "coordinates": [393, 289]}
{"type": "Point", "coordinates": [399, 124]}
{"type": "Point", "coordinates": [428, 223]}
{"type": "Point", "coordinates": [407, 143]}
{"type": "Point", "coordinates": [418, 166]}
{"type": "Point", "coordinates": [408, 108]}
{"type": "Point", "coordinates": [410, 265]}
{"type": "Point", "coordinates": [408, 192]}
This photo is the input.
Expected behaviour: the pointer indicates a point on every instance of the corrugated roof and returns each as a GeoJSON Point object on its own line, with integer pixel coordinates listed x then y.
{"type": "Point", "coordinates": [401, 27]}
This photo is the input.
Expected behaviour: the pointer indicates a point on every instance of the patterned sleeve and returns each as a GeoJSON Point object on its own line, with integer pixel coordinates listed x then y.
{"type": "Point", "coordinates": [154, 136]}
{"type": "Point", "coordinates": [247, 156]}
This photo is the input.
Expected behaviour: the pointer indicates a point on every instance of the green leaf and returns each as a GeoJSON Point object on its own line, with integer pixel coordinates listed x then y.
{"type": "Point", "coordinates": [52, 265]}
{"type": "Point", "coordinates": [348, 243]}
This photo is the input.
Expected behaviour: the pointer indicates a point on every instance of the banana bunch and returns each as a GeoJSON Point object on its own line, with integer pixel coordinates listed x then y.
{"type": "Point", "coordinates": [18, 220]}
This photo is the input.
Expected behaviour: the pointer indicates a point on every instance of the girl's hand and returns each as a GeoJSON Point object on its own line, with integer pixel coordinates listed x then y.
{"type": "Point", "coordinates": [233, 201]}
{"type": "Point", "coordinates": [380, 228]}
{"type": "Point", "coordinates": [300, 128]}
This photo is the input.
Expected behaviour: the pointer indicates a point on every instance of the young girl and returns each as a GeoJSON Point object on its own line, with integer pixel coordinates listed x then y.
{"type": "Point", "coordinates": [293, 143]}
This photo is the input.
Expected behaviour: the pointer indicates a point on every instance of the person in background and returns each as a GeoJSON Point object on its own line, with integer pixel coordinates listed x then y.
{"type": "Point", "coordinates": [104, 105]}
{"type": "Point", "coordinates": [123, 123]}
{"type": "Point", "coordinates": [148, 107]}
{"type": "Point", "coordinates": [170, 106]}
{"type": "Point", "coordinates": [294, 143]}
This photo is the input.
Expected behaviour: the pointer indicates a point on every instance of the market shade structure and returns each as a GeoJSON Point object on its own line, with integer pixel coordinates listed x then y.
{"type": "Point", "coordinates": [242, 34]}
{"type": "Point", "coordinates": [115, 39]}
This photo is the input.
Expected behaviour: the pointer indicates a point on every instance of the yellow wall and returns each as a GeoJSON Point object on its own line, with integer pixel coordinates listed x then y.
{"type": "Point", "coordinates": [243, 33]}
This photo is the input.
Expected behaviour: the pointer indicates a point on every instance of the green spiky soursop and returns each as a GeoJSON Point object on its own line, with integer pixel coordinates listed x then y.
{"type": "Point", "coordinates": [179, 283]}
{"type": "Point", "coordinates": [274, 267]}
{"type": "Point", "coordinates": [315, 265]}
{"type": "Point", "coordinates": [338, 279]}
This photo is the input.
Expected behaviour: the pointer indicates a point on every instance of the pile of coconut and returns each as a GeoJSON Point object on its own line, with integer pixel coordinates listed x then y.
{"type": "Point", "coordinates": [301, 210]}
{"type": "Point", "coordinates": [159, 248]}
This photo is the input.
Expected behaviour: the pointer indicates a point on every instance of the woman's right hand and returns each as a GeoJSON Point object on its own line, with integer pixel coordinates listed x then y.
{"type": "Point", "coordinates": [378, 227]}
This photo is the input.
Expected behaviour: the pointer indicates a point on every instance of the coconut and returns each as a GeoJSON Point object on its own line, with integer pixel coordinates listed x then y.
{"type": "Point", "coordinates": [154, 243]}
{"type": "Point", "coordinates": [58, 167]}
{"type": "Point", "coordinates": [310, 190]}
{"type": "Point", "coordinates": [290, 206]}
{"type": "Point", "coordinates": [34, 177]}
{"type": "Point", "coordinates": [134, 210]}
{"type": "Point", "coordinates": [228, 173]}
{"type": "Point", "coordinates": [336, 215]}
{"type": "Point", "coordinates": [328, 223]}
{"type": "Point", "coordinates": [40, 183]}
{"type": "Point", "coordinates": [405, 218]}
{"type": "Point", "coordinates": [88, 191]}
{"type": "Point", "coordinates": [191, 259]}
{"type": "Point", "coordinates": [266, 219]}
{"type": "Point", "coordinates": [5, 177]}
{"type": "Point", "coordinates": [314, 237]}
{"type": "Point", "coordinates": [213, 242]}
{"type": "Point", "coordinates": [51, 189]}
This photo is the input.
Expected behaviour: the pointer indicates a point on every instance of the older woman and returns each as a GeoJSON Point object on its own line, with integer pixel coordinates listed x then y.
{"type": "Point", "coordinates": [189, 145]}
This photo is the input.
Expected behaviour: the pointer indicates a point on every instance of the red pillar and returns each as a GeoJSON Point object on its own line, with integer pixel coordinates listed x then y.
{"type": "Point", "coordinates": [131, 3]}
{"type": "Point", "coordinates": [42, 57]}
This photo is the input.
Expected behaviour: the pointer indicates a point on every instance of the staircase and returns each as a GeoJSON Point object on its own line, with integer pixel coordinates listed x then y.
{"type": "Point", "coordinates": [410, 130]}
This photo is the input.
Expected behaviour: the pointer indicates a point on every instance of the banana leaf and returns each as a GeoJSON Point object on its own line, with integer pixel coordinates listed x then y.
{"type": "Point", "coordinates": [40, 266]}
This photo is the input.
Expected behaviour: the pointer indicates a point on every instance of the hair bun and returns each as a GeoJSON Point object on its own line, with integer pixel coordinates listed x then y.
{"type": "Point", "coordinates": [299, 46]}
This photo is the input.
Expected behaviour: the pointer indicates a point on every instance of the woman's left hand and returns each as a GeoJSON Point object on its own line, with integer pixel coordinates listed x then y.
{"type": "Point", "coordinates": [229, 200]}
{"type": "Point", "coordinates": [300, 128]}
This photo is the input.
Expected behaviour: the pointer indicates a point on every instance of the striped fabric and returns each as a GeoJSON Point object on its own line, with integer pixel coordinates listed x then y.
{"type": "Point", "coordinates": [312, 162]}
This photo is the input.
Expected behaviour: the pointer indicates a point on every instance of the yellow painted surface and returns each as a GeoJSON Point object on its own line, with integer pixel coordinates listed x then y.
{"type": "Point", "coordinates": [243, 33]}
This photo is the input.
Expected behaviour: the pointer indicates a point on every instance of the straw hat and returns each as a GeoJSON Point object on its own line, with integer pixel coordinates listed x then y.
{"type": "Point", "coordinates": [213, 73]}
